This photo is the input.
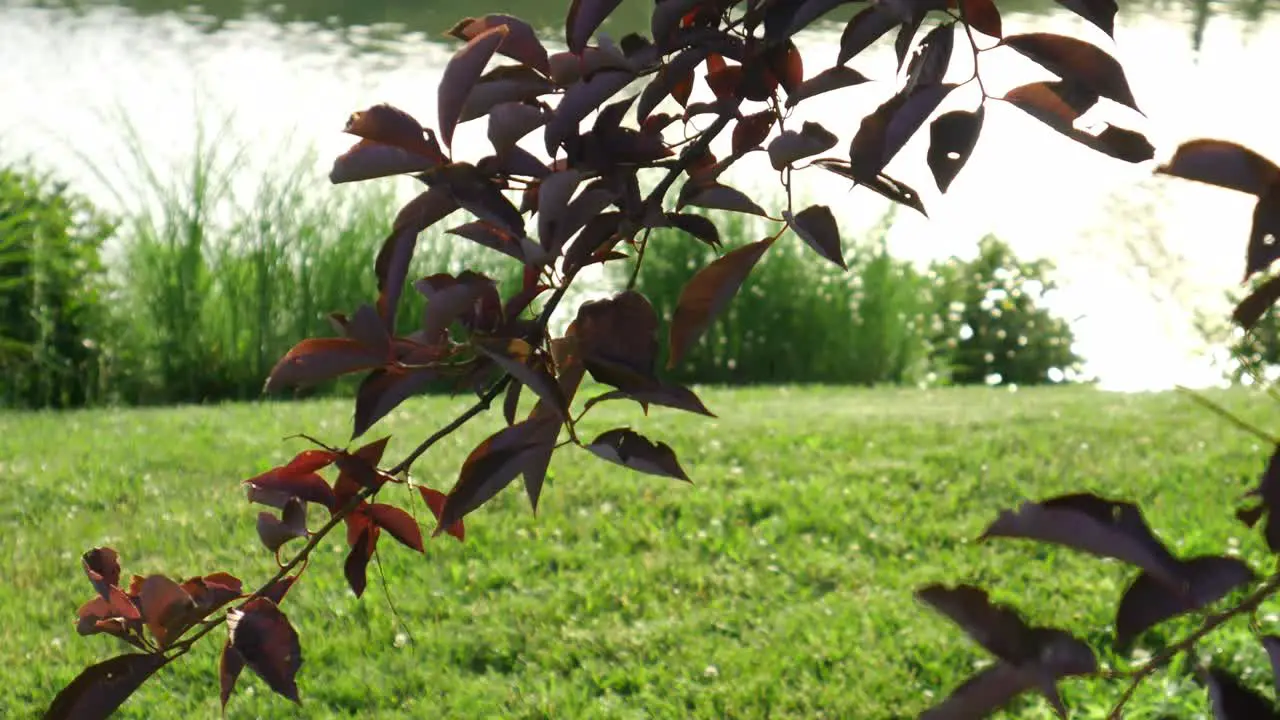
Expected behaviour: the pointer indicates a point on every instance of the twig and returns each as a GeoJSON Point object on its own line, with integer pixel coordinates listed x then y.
{"type": "Point", "coordinates": [1211, 623]}
{"type": "Point", "coordinates": [1231, 417]}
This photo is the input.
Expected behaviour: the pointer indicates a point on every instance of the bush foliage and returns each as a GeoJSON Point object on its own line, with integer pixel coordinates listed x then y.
{"type": "Point", "coordinates": [580, 204]}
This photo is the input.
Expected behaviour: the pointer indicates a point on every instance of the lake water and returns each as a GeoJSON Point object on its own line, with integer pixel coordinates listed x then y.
{"type": "Point", "coordinates": [293, 71]}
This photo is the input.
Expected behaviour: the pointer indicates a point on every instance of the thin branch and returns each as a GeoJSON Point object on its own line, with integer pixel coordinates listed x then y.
{"type": "Point", "coordinates": [1231, 417]}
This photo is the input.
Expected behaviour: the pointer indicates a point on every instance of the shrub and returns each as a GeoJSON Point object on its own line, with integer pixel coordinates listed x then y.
{"type": "Point", "coordinates": [992, 327]}
{"type": "Point", "coordinates": [51, 291]}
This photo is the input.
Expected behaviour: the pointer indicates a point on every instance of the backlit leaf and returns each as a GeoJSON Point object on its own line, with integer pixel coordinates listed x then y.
{"type": "Point", "coordinates": [580, 100]}
{"type": "Point", "coordinates": [102, 565]}
{"type": "Point", "coordinates": [630, 449]}
{"type": "Point", "coordinates": [1225, 164]}
{"type": "Point", "coordinates": [393, 126]}
{"type": "Point", "coordinates": [1148, 601]}
{"type": "Point", "coordinates": [697, 226]}
{"type": "Point", "coordinates": [100, 689]}
{"type": "Point", "coordinates": [582, 20]}
{"type": "Point", "coordinates": [817, 227]}
{"type": "Point", "coordinates": [230, 665]}
{"type": "Point", "coordinates": [707, 293]}
{"type": "Point", "coordinates": [384, 389]}
{"type": "Point", "coordinates": [449, 298]}
{"type": "Point", "coordinates": [1044, 102]}
{"type": "Point", "coordinates": [278, 485]}
{"type": "Point", "coordinates": [1076, 61]}
{"type": "Point", "coordinates": [982, 16]}
{"type": "Point", "coordinates": [1264, 235]}
{"type": "Point", "coordinates": [751, 131]}
{"type": "Point", "coordinates": [675, 79]}
{"type": "Point", "coordinates": [435, 501]}
{"type": "Point", "coordinates": [399, 523]}
{"type": "Point", "coordinates": [1099, 12]}
{"type": "Point", "coordinates": [460, 75]}
{"type": "Point", "coordinates": [714, 196]}
{"type": "Point", "coordinates": [930, 63]}
{"type": "Point", "coordinates": [275, 532]}
{"type": "Point", "coordinates": [1250, 310]}
{"type": "Point", "coordinates": [952, 138]}
{"type": "Point", "coordinates": [520, 44]}
{"type": "Point", "coordinates": [477, 194]}
{"type": "Point", "coordinates": [263, 637]}
{"type": "Point", "coordinates": [315, 360]}
{"type": "Point", "coordinates": [554, 194]}
{"type": "Point", "coordinates": [884, 132]}
{"type": "Point", "coordinates": [356, 567]}
{"type": "Point", "coordinates": [833, 78]}
{"type": "Point", "coordinates": [869, 25]}
{"type": "Point", "coordinates": [491, 466]}
{"type": "Point", "coordinates": [391, 267]}
{"type": "Point", "coordinates": [519, 359]}
{"type": "Point", "coordinates": [791, 146]}
{"type": "Point", "coordinates": [1094, 525]}
{"type": "Point", "coordinates": [511, 121]}
{"type": "Point", "coordinates": [367, 160]}
{"type": "Point", "coordinates": [166, 608]}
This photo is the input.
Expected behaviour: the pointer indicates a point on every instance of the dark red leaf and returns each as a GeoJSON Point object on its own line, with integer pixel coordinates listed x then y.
{"type": "Point", "coordinates": [521, 43]}
{"type": "Point", "coordinates": [883, 184]}
{"type": "Point", "coordinates": [1077, 62]}
{"type": "Point", "coordinates": [697, 226]}
{"type": "Point", "coordinates": [367, 160]}
{"type": "Point", "coordinates": [263, 637]}
{"type": "Point", "coordinates": [1045, 102]}
{"type": "Point", "coordinates": [982, 16]}
{"type": "Point", "coordinates": [399, 523]}
{"type": "Point", "coordinates": [714, 196]}
{"type": "Point", "coordinates": [554, 193]}
{"type": "Point", "coordinates": [982, 694]}
{"type": "Point", "coordinates": [492, 465]}
{"type": "Point", "coordinates": [1264, 236]}
{"type": "Point", "coordinates": [526, 365]}
{"type": "Point", "coordinates": [275, 532]}
{"type": "Point", "coordinates": [166, 608]}
{"type": "Point", "coordinates": [230, 665]}
{"type": "Point", "coordinates": [392, 126]}
{"type": "Point", "coordinates": [212, 592]}
{"type": "Point", "coordinates": [277, 591]}
{"type": "Point", "coordinates": [583, 19]}
{"type": "Point", "coordinates": [906, 33]}
{"type": "Point", "coordinates": [502, 85]}
{"type": "Point", "coordinates": [817, 227]}
{"type": "Point", "coordinates": [356, 567]}
{"type": "Point", "coordinates": [929, 64]}
{"type": "Point", "coordinates": [1149, 601]}
{"type": "Point", "coordinates": [707, 293]}
{"type": "Point", "coordinates": [1232, 700]}
{"type": "Point", "coordinates": [275, 487]}
{"type": "Point", "coordinates": [435, 501]}
{"type": "Point", "coordinates": [1099, 12]}
{"type": "Point", "coordinates": [450, 298]}
{"type": "Point", "coordinates": [476, 194]}
{"type": "Point", "coordinates": [102, 565]}
{"type": "Point", "coordinates": [833, 78]}
{"type": "Point", "coordinates": [391, 267]}
{"type": "Point", "coordinates": [1225, 164]}
{"type": "Point", "coordinates": [1094, 525]}
{"type": "Point", "coordinates": [384, 390]}
{"type": "Point", "coordinates": [1271, 643]}
{"type": "Point", "coordinates": [100, 689]}
{"type": "Point", "coordinates": [511, 121]}
{"type": "Point", "coordinates": [581, 99]}
{"type": "Point", "coordinates": [952, 138]}
{"type": "Point", "coordinates": [751, 131]}
{"type": "Point", "coordinates": [315, 360]}
{"type": "Point", "coordinates": [865, 28]}
{"type": "Point", "coordinates": [674, 78]}
{"type": "Point", "coordinates": [460, 76]}
{"type": "Point", "coordinates": [791, 146]}
{"type": "Point", "coordinates": [630, 449]}
{"type": "Point", "coordinates": [884, 132]}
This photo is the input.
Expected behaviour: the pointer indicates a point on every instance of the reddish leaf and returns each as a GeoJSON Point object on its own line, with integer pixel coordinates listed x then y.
{"type": "Point", "coordinates": [521, 43]}
{"type": "Point", "coordinates": [230, 665]}
{"type": "Point", "coordinates": [1078, 62]}
{"type": "Point", "coordinates": [399, 523]}
{"type": "Point", "coordinates": [929, 64]}
{"type": "Point", "coordinates": [1201, 581]}
{"type": "Point", "coordinates": [355, 569]}
{"type": "Point", "coordinates": [166, 608]}
{"type": "Point", "coordinates": [707, 293]}
{"type": "Point", "coordinates": [115, 614]}
{"type": "Point", "coordinates": [501, 85]}
{"type": "Point", "coordinates": [791, 146]}
{"type": "Point", "coordinates": [817, 227]}
{"type": "Point", "coordinates": [435, 501]}
{"type": "Point", "coordinates": [1043, 102]}
{"type": "Point", "coordinates": [392, 126]}
{"type": "Point", "coordinates": [994, 687]}
{"type": "Point", "coordinates": [212, 591]}
{"type": "Point", "coordinates": [751, 131]}
{"type": "Point", "coordinates": [1233, 700]}
{"type": "Point", "coordinates": [1099, 12]}
{"type": "Point", "coordinates": [697, 226]}
{"type": "Point", "coordinates": [102, 565]}
{"type": "Point", "coordinates": [952, 138]}
{"type": "Point", "coordinates": [383, 390]}
{"type": "Point", "coordinates": [520, 359]}
{"type": "Point", "coordinates": [883, 133]}
{"type": "Point", "coordinates": [674, 78]}
{"type": "Point", "coordinates": [1250, 310]}
{"type": "Point", "coordinates": [391, 267]}
{"type": "Point", "coordinates": [982, 16]}
{"type": "Point", "coordinates": [865, 28]}
{"type": "Point", "coordinates": [367, 160]}
{"type": "Point", "coordinates": [1094, 525]}
{"type": "Point", "coordinates": [450, 299]}
{"type": "Point", "coordinates": [786, 64]}
{"type": "Point", "coordinates": [833, 78]}
{"type": "Point", "coordinates": [882, 184]}
{"type": "Point", "coordinates": [263, 637]}
{"type": "Point", "coordinates": [460, 76]}
{"type": "Point", "coordinates": [279, 589]}
{"type": "Point", "coordinates": [315, 360]}
{"type": "Point", "coordinates": [581, 99]}
{"type": "Point", "coordinates": [583, 19]}
{"type": "Point", "coordinates": [1225, 164]}
{"type": "Point", "coordinates": [1264, 235]}
{"type": "Point", "coordinates": [100, 689]}
{"type": "Point", "coordinates": [491, 466]}
{"type": "Point", "coordinates": [477, 194]}
{"type": "Point", "coordinates": [511, 401]}
{"type": "Point", "coordinates": [276, 487]}
{"type": "Point", "coordinates": [274, 532]}
{"type": "Point", "coordinates": [630, 449]}
{"type": "Point", "coordinates": [308, 462]}
{"type": "Point", "coordinates": [554, 193]}
{"type": "Point", "coordinates": [511, 121]}
{"type": "Point", "coordinates": [714, 196]}
{"type": "Point", "coordinates": [997, 628]}
{"type": "Point", "coordinates": [1271, 643]}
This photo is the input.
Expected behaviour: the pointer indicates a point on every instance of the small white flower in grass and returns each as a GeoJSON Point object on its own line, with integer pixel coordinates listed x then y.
{"type": "Point", "coordinates": [711, 671]}
{"type": "Point", "coordinates": [401, 640]}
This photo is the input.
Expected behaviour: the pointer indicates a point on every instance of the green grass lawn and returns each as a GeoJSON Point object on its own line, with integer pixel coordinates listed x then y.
{"type": "Point", "coordinates": [777, 585]}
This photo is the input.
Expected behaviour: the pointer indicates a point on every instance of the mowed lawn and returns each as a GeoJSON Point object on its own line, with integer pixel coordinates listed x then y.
{"type": "Point", "coordinates": [777, 585]}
